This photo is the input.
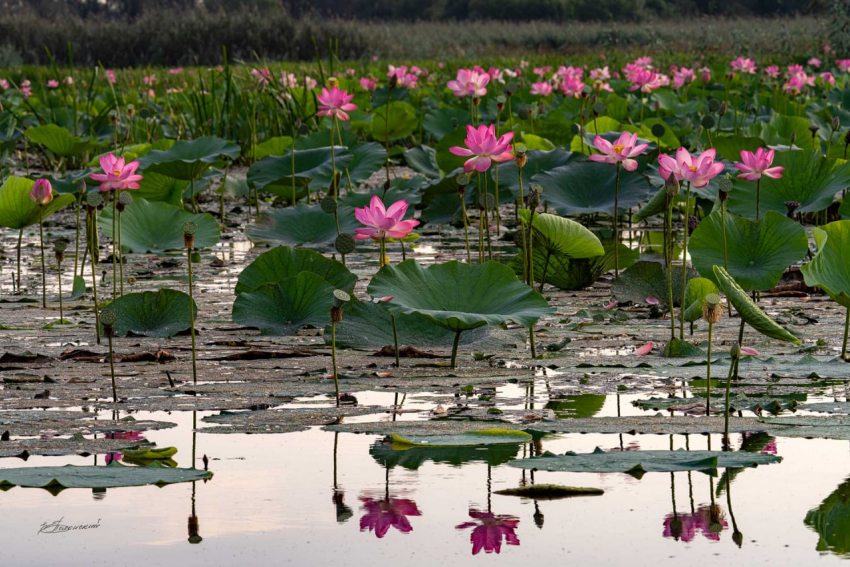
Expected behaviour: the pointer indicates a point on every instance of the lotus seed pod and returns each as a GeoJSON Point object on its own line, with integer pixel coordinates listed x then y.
{"type": "Point", "coordinates": [534, 196]}
{"type": "Point", "coordinates": [524, 113]}
{"type": "Point", "coordinates": [708, 122]}
{"type": "Point", "coordinates": [511, 88]}
{"type": "Point", "coordinates": [735, 351]}
{"type": "Point", "coordinates": [599, 108]}
{"type": "Point", "coordinates": [725, 188]}
{"type": "Point", "coordinates": [658, 130]}
{"type": "Point", "coordinates": [813, 128]}
{"type": "Point", "coordinates": [712, 310]}
{"type": "Point", "coordinates": [108, 319]}
{"type": "Point", "coordinates": [94, 200]}
{"type": "Point", "coordinates": [125, 198]}
{"type": "Point", "coordinates": [672, 186]}
{"type": "Point", "coordinates": [341, 297]}
{"type": "Point", "coordinates": [487, 201]}
{"type": "Point", "coordinates": [586, 114]}
{"type": "Point", "coordinates": [713, 105]}
{"type": "Point", "coordinates": [575, 128]}
{"type": "Point", "coordinates": [60, 245]}
{"type": "Point", "coordinates": [189, 230]}
{"type": "Point", "coordinates": [344, 244]}
{"type": "Point", "coordinates": [336, 313]}
{"type": "Point", "coordinates": [792, 207]}
{"type": "Point", "coordinates": [329, 205]}
{"type": "Point", "coordinates": [693, 223]}
{"type": "Point", "coordinates": [501, 99]}
{"type": "Point", "coordinates": [462, 180]}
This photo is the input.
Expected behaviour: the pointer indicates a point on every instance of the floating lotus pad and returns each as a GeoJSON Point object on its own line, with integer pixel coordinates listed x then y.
{"type": "Point", "coordinates": [113, 475]}
{"type": "Point", "coordinates": [550, 491]}
{"type": "Point", "coordinates": [468, 439]}
{"type": "Point", "coordinates": [284, 262]}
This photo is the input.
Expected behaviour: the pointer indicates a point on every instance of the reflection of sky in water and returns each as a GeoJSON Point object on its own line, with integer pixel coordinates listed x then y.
{"type": "Point", "coordinates": [273, 496]}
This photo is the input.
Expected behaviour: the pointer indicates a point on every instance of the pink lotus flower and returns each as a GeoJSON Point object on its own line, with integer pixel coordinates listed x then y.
{"type": "Point", "coordinates": [69, 80]}
{"type": "Point", "coordinates": [482, 144]}
{"type": "Point", "coordinates": [310, 83]}
{"type": "Point", "coordinates": [116, 174]}
{"type": "Point", "coordinates": [335, 102]}
{"type": "Point", "coordinates": [683, 76]}
{"type": "Point", "coordinates": [612, 305]}
{"type": "Point", "coordinates": [368, 84]}
{"type": "Point", "coordinates": [827, 79]}
{"type": "Point", "coordinates": [385, 223]}
{"type": "Point", "coordinates": [743, 65]}
{"type": "Point", "coordinates": [381, 515]}
{"type": "Point", "coordinates": [644, 80]}
{"type": "Point", "coordinates": [644, 350]}
{"type": "Point", "coordinates": [705, 75]}
{"type": "Point", "coordinates": [843, 65]}
{"type": "Point", "coordinates": [772, 71]}
{"type": "Point", "coordinates": [541, 89]}
{"type": "Point", "coordinates": [601, 74]}
{"type": "Point", "coordinates": [110, 76]}
{"type": "Point", "coordinates": [42, 192]}
{"type": "Point", "coordinates": [469, 83]}
{"type": "Point", "coordinates": [572, 87]}
{"type": "Point", "coordinates": [175, 71]}
{"type": "Point", "coordinates": [643, 61]}
{"type": "Point", "coordinates": [754, 165]}
{"type": "Point", "coordinates": [698, 171]}
{"type": "Point", "coordinates": [652, 300]}
{"type": "Point", "coordinates": [489, 531]}
{"type": "Point", "coordinates": [621, 151]}
{"type": "Point", "coordinates": [813, 62]}
{"type": "Point", "coordinates": [52, 84]}
{"type": "Point", "coordinates": [749, 351]}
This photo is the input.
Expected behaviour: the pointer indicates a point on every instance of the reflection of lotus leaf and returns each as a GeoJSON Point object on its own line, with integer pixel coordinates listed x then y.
{"type": "Point", "coordinates": [831, 520]}
{"type": "Point", "coordinates": [414, 457]}
{"type": "Point", "coordinates": [581, 405]}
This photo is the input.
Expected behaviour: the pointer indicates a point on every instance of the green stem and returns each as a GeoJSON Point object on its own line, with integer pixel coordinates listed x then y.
{"type": "Point", "coordinates": [616, 225]}
{"type": "Point", "coordinates": [668, 256]}
{"type": "Point", "coordinates": [220, 201]}
{"type": "Point", "coordinates": [395, 342]}
{"type": "Point", "coordinates": [758, 196]}
{"type": "Point", "coordinates": [112, 369]}
{"type": "Point", "coordinates": [91, 244]}
{"type": "Point", "coordinates": [465, 229]}
{"type": "Point", "coordinates": [708, 372]}
{"type": "Point", "coordinates": [120, 258]}
{"type": "Point", "coordinates": [846, 327]}
{"type": "Point", "coordinates": [18, 248]}
{"type": "Point", "coordinates": [43, 269]}
{"type": "Point", "coordinates": [333, 359]}
{"type": "Point", "coordinates": [732, 368]}
{"type": "Point", "coordinates": [59, 275]}
{"type": "Point", "coordinates": [545, 269]}
{"type": "Point", "coordinates": [192, 317]}
{"type": "Point", "coordinates": [194, 200]}
{"type": "Point", "coordinates": [114, 248]}
{"type": "Point", "coordinates": [454, 349]}
{"type": "Point", "coordinates": [77, 240]}
{"type": "Point", "coordinates": [684, 266]}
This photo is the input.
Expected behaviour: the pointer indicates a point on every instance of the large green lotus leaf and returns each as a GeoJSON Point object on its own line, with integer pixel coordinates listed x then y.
{"type": "Point", "coordinates": [730, 147]}
{"type": "Point", "coordinates": [423, 160]}
{"type": "Point", "coordinates": [162, 313]}
{"type": "Point", "coordinates": [602, 125]}
{"type": "Point", "coordinates": [158, 187]}
{"type": "Point", "coordinates": [156, 227]}
{"type": "Point", "coordinates": [748, 310]}
{"type": "Point", "coordinates": [188, 159]}
{"type": "Point", "coordinates": [831, 520]}
{"type": "Point", "coordinates": [283, 307]}
{"type": "Point", "coordinates": [781, 129]}
{"type": "Point", "coordinates": [18, 211]}
{"type": "Point", "coordinates": [441, 202]}
{"type": "Point", "coordinates": [459, 296]}
{"type": "Point", "coordinates": [809, 179]}
{"type": "Point", "coordinates": [561, 236]}
{"type": "Point", "coordinates": [655, 206]}
{"type": "Point", "coordinates": [576, 406]}
{"type": "Point", "coordinates": [275, 173]}
{"type": "Point", "coordinates": [588, 187]}
{"type": "Point", "coordinates": [538, 161]}
{"type": "Point", "coordinates": [448, 161]}
{"type": "Point", "coordinates": [579, 273]}
{"type": "Point", "coordinates": [322, 139]}
{"type": "Point", "coordinates": [284, 262]}
{"type": "Point", "coordinates": [468, 439]}
{"type": "Point", "coordinates": [272, 147]}
{"type": "Point", "coordinates": [412, 457]}
{"type": "Point", "coordinates": [366, 158]}
{"type": "Point", "coordinates": [398, 192]}
{"type": "Point", "coordinates": [830, 268]}
{"type": "Point", "coordinates": [366, 324]}
{"type": "Point", "coordinates": [113, 475]}
{"type": "Point", "coordinates": [302, 224]}
{"type": "Point", "coordinates": [697, 290]}
{"type": "Point", "coordinates": [648, 279]}
{"type": "Point", "coordinates": [402, 121]}
{"type": "Point", "coordinates": [441, 122]}
{"type": "Point", "coordinates": [639, 462]}
{"type": "Point", "coordinates": [58, 140]}
{"type": "Point", "coordinates": [758, 251]}
{"type": "Point", "coordinates": [134, 152]}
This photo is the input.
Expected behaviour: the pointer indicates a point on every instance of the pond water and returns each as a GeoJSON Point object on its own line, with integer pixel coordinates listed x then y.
{"type": "Point", "coordinates": [320, 497]}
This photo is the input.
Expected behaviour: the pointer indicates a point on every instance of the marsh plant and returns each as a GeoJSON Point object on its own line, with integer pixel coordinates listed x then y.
{"type": "Point", "coordinates": [189, 230]}
{"type": "Point", "coordinates": [93, 201]}
{"type": "Point", "coordinates": [340, 298]}
{"type": "Point", "coordinates": [42, 194]}
{"type": "Point", "coordinates": [59, 248]}
{"type": "Point", "coordinates": [108, 318]}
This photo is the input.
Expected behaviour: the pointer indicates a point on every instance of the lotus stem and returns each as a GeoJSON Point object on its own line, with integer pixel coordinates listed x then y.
{"type": "Point", "coordinates": [531, 279]}
{"type": "Point", "coordinates": [733, 369]}
{"type": "Point", "coordinates": [18, 248]}
{"type": "Point", "coordinates": [684, 265]}
{"type": "Point", "coordinates": [454, 349]}
{"type": "Point", "coordinates": [120, 258]}
{"type": "Point", "coordinates": [387, 129]}
{"type": "Point", "coordinates": [114, 248]}
{"type": "Point", "coordinates": [496, 196]}
{"type": "Point", "coordinates": [220, 202]}
{"type": "Point", "coordinates": [43, 269]}
{"type": "Point", "coordinates": [77, 239]}
{"type": "Point", "coordinates": [708, 372]}
{"type": "Point", "coordinates": [92, 253]}
{"type": "Point", "coordinates": [395, 341]}
{"type": "Point", "coordinates": [545, 269]}
{"type": "Point", "coordinates": [59, 276]}
{"type": "Point", "coordinates": [292, 169]}
{"type": "Point", "coordinates": [465, 229]}
{"type": "Point", "coordinates": [333, 359]}
{"type": "Point", "coordinates": [723, 228]}
{"type": "Point", "coordinates": [758, 196]}
{"type": "Point", "coordinates": [668, 256]}
{"type": "Point", "coordinates": [846, 328]}
{"type": "Point", "coordinates": [192, 316]}
{"type": "Point", "coordinates": [112, 368]}
{"type": "Point", "coordinates": [616, 227]}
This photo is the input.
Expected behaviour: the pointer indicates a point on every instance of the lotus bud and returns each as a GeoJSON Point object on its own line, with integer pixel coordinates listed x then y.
{"type": "Point", "coordinates": [344, 244]}
{"type": "Point", "coordinates": [738, 538]}
{"type": "Point", "coordinates": [500, 103]}
{"type": "Point", "coordinates": [713, 105]}
{"type": "Point", "coordinates": [712, 310]}
{"type": "Point", "coordinates": [124, 199]}
{"type": "Point", "coordinates": [813, 128]}
{"type": "Point", "coordinates": [41, 192]}
{"type": "Point", "coordinates": [847, 138]}
{"type": "Point", "coordinates": [658, 130]}
{"type": "Point", "coordinates": [599, 108]}
{"type": "Point", "coordinates": [792, 207]}
{"type": "Point", "coordinates": [189, 230]}
{"type": "Point", "coordinates": [534, 196]}
{"type": "Point", "coordinates": [93, 201]}
{"type": "Point", "coordinates": [735, 351]}
{"type": "Point", "coordinates": [725, 189]}
{"type": "Point", "coordinates": [693, 223]}
{"type": "Point", "coordinates": [328, 205]}
{"type": "Point", "coordinates": [524, 113]}
{"type": "Point", "coordinates": [108, 319]}
{"type": "Point", "coordinates": [59, 248]}
{"type": "Point", "coordinates": [836, 124]}
{"type": "Point", "coordinates": [131, 110]}
{"type": "Point", "coordinates": [723, 108]}
{"type": "Point", "coordinates": [393, 81]}
{"type": "Point", "coordinates": [82, 188]}
{"type": "Point", "coordinates": [708, 122]}
{"type": "Point", "coordinates": [476, 102]}
{"type": "Point", "coordinates": [793, 137]}
{"type": "Point", "coordinates": [672, 185]}
{"type": "Point", "coordinates": [521, 158]}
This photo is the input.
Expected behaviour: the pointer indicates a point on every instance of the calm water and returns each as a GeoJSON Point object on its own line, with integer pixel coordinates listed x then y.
{"type": "Point", "coordinates": [278, 498]}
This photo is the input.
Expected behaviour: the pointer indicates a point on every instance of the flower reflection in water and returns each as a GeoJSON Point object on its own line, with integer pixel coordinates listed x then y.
{"type": "Point", "coordinates": [708, 520]}
{"type": "Point", "coordinates": [389, 512]}
{"type": "Point", "coordinates": [126, 436]}
{"type": "Point", "coordinates": [489, 531]}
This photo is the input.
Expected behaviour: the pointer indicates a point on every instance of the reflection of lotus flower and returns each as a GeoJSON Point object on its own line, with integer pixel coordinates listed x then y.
{"type": "Point", "coordinates": [126, 436]}
{"type": "Point", "coordinates": [386, 513]}
{"type": "Point", "coordinates": [703, 520]}
{"type": "Point", "coordinates": [489, 531]}
{"type": "Point", "coordinates": [116, 174]}
{"type": "Point", "coordinates": [385, 223]}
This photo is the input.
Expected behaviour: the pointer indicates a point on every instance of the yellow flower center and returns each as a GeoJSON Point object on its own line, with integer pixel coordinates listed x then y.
{"type": "Point", "coordinates": [693, 167]}
{"type": "Point", "coordinates": [117, 172]}
{"type": "Point", "coordinates": [619, 149]}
